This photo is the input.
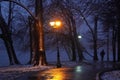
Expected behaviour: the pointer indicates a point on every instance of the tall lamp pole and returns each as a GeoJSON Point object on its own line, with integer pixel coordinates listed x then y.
{"type": "Point", "coordinates": [56, 25]}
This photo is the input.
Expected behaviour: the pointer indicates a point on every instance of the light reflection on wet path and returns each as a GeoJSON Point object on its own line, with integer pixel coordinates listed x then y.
{"type": "Point", "coordinates": [74, 73]}
{"type": "Point", "coordinates": [57, 74]}
{"type": "Point", "coordinates": [77, 72]}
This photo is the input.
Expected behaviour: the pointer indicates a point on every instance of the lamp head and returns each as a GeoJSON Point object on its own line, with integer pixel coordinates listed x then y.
{"type": "Point", "coordinates": [55, 24]}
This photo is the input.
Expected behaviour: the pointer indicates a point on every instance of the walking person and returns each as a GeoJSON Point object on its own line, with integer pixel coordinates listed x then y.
{"type": "Point", "coordinates": [102, 55]}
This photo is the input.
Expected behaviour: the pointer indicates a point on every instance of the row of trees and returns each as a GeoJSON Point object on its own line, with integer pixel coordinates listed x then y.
{"type": "Point", "coordinates": [110, 20]}
{"type": "Point", "coordinates": [37, 33]}
{"type": "Point", "coordinates": [72, 14]}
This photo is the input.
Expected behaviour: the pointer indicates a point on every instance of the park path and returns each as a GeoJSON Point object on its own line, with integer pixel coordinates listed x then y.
{"type": "Point", "coordinates": [83, 71]}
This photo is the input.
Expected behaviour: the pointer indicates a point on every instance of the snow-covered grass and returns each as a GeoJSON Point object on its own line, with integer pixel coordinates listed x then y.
{"type": "Point", "coordinates": [111, 75]}
{"type": "Point", "coordinates": [14, 72]}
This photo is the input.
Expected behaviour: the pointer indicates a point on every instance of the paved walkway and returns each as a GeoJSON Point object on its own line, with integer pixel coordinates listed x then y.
{"type": "Point", "coordinates": [83, 71]}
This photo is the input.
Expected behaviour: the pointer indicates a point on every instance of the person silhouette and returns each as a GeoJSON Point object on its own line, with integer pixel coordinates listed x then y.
{"type": "Point", "coordinates": [102, 55]}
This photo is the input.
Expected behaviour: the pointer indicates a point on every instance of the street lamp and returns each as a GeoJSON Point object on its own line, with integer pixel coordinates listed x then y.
{"type": "Point", "coordinates": [56, 25]}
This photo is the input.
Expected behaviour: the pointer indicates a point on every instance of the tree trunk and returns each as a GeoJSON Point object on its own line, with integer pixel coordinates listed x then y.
{"type": "Point", "coordinates": [72, 42]}
{"type": "Point", "coordinates": [73, 50]}
{"type": "Point", "coordinates": [118, 37]}
{"type": "Point", "coordinates": [76, 41]}
{"type": "Point", "coordinates": [40, 57]}
{"type": "Point", "coordinates": [108, 45]}
{"type": "Point", "coordinates": [95, 58]}
{"type": "Point", "coordinates": [30, 23]}
{"type": "Point", "coordinates": [118, 27]}
{"type": "Point", "coordinates": [114, 44]}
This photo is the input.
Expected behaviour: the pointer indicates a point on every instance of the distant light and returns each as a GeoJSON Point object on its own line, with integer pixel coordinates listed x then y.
{"type": "Point", "coordinates": [79, 36]}
{"type": "Point", "coordinates": [78, 69]}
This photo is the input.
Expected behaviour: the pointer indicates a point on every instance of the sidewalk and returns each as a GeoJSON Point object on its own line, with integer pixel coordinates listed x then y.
{"type": "Point", "coordinates": [73, 71]}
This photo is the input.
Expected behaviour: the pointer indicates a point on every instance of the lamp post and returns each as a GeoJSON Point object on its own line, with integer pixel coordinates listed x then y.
{"type": "Point", "coordinates": [56, 25]}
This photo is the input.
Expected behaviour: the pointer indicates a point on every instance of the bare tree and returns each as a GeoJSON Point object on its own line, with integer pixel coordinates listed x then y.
{"type": "Point", "coordinates": [6, 36]}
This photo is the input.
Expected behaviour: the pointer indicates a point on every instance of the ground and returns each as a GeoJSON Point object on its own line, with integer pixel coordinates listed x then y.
{"type": "Point", "coordinates": [70, 70]}
{"type": "Point", "coordinates": [17, 71]}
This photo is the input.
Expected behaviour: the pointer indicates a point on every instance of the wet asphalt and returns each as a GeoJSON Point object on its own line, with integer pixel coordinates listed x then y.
{"type": "Point", "coordinates": [77, 72]}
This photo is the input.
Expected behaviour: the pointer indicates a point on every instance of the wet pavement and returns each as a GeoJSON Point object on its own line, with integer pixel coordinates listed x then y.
{"type": "Point", "coordinates": [78, 72]}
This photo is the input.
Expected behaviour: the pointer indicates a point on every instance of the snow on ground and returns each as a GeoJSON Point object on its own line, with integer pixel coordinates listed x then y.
{"type": "Point", "coordinates": [111, 75]}
{"type": "Point", "coordinates": [14, 72]}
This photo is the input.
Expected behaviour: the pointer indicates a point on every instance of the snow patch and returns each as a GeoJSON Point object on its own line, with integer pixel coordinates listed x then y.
{"type": "Point", "coordinates": [112, 75]}
{"type": "Point", "coordinates": [14, 72]}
